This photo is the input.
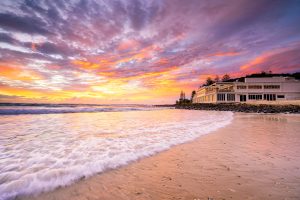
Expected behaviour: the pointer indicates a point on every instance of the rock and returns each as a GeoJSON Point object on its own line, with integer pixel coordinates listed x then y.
{"type": "Point", "coordinates": [241, 107]}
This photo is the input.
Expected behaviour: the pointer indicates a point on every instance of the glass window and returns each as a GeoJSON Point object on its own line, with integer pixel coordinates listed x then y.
{"type": "Point", "coordinates": [254, 87]}
{"type": "Point", "coordinates": [271, 86]}
{"type": "Point", "coordinates": [230, 97]}
{"type": "Point", "coordinates": [221, 97]}
{"type": "Point", "coordinates": [270, 97]}
{"type": "Point", "coordinates": [243, 98]}
{"type": "Point", "coordinates": [255, 97]}
{"type": "Point", "coordinates": [241, 87]}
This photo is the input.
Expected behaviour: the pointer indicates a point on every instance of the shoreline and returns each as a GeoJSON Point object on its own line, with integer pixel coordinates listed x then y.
{"type": "Point", "coordinates": [260, 164]}
{"type": "Point", "coordinates": [243, 107]}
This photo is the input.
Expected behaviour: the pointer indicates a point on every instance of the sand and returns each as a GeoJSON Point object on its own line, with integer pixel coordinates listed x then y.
{"type": "Point", "coordinates": [256, 157]}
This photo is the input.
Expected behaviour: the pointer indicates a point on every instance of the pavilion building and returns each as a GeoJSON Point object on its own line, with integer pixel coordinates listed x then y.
{"type": "Point", "coordinates": [250, 90]}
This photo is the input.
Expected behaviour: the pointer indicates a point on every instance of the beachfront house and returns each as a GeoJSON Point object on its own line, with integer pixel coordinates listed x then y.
{"type": "Point", "coordinates": [259, 89]}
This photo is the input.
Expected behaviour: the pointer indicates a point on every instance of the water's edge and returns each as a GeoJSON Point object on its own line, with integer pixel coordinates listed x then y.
{"type": "Point", "coordinates": [146, 145]}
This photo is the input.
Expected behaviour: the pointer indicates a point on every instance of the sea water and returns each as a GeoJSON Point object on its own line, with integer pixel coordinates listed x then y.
{"type": "Point", "coordinates": [42, 148]}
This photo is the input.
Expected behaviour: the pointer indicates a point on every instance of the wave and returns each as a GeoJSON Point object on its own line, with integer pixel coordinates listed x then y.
{"type": "Point", "coordinates": [19, 110]}
{"type": "Point", "coordinates": [39, 153]}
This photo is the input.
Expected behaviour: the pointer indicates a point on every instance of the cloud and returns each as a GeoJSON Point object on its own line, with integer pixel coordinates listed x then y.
{"type": "Point", "coordinates": [23, 24]}
{"type": "Point", "coordinates": [75, 46]}
{"type": "Point", "coordinates": [8, 97]}
{"type": "Point", "coordinates": [278, 60]}
{"type": "Point", "coordinates": [7, 38]}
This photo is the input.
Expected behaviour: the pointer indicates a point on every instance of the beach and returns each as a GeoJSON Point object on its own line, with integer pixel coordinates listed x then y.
{"type": "Point", "coordinates": [43, 148]}
{"type": "Point", "coordinates": [149, 100]}
{"type": "Point", "coordinates": [256, 156]}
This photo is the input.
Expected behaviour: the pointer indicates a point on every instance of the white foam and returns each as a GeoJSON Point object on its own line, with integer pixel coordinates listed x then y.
{"type": "Point", "coordinates": [39, 153]}
{"type": "Point", "coordinates": [50, 109]}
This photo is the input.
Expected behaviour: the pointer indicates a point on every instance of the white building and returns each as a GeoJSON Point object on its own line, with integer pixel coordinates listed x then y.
{"type": "Point", "coordinates": [251, 90]}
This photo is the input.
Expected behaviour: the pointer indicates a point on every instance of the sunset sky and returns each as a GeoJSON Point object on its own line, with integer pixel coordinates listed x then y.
{"type": "Point", "coordinates": [134, 51]}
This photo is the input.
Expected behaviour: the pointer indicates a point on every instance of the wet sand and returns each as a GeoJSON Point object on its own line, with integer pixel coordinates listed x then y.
{"type": "Point", "coordinates": [255, 157]}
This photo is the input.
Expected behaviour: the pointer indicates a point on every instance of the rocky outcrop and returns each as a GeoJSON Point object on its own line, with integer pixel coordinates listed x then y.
{"type": "Point", "coordinates": [242, 107]}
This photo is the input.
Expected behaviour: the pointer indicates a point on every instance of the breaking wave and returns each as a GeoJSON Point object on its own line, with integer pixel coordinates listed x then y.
{"type": "Point", "coordinates": [39, 153]}
{"type": "Point", "coordinates": [55, 109]}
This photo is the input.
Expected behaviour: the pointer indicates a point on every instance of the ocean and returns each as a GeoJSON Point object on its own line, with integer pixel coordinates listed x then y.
{"type": "Point", "coordinates": [43, 147]}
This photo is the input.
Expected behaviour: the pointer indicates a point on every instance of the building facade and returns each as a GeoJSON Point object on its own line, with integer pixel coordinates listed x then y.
{"type": "Point", "coordinates": [251, 90]}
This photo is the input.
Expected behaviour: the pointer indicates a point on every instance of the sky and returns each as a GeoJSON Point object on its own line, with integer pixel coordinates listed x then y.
{"type": "Point", "coordinates": [139, 51]}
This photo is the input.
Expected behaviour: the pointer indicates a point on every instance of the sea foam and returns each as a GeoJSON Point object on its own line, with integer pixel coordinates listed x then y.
{"type": "Point", "coordinates": [39, 153]}
{"type": "Point", "coordinates": [57, 108]}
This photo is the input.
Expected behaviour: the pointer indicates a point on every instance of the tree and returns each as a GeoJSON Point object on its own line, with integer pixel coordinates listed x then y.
{"type": "Point", "coordinates": [226, 77]}
{"type": "Point", "coordinates": [263, 73]}
{"type": "Point", "coordinates": [193, 94]}
{"type": "Point", "coordinates": [209, 81]}
{"type": "Point", "coordinates": [217, 79]}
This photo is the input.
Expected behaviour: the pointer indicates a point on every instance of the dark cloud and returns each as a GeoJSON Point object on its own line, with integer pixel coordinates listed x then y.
{"type": "Point", "coordinates": [137, 15]}
{"type": "Point", "coordinates": [251, 16]}
{"type": "Point", "coordinates": [23, 24]}
{"type": "Point", "coordinates": [52, 48]}
{"type": "Point", "coordinates": [7, 38]}
{"type": "Point", "coordinates": [34, 4]}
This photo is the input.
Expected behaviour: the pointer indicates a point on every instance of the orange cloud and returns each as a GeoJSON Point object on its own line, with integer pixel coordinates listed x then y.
{"type": "Point", "coordinates": [256, 61]}
{"type": "Point", "coordinates": [163, 61]}
{"type": "Point", "coordinates": [107, 62]}
{"type": "Point", "coordinates": [139, 55]}
{"type": "Point", "coordinates": [16, 73]}
{"type": "Point", "coordinates": [22, 92]}
{"type": "Point", "coordinates": [225, 54]}
{"type": "Point", "coordinates": [85, 64]}
{"type": "Point", "coordinates": [202, 78]}
{"type": "Point", "coordinates": [107, 74]}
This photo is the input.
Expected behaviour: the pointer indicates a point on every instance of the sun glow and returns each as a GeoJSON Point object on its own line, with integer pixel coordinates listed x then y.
{"type": "Point", "coordinates": [97, 52]}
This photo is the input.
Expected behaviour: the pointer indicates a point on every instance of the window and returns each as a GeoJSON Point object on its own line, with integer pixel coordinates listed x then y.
{"type": "Point", "coordinates": [280, 96]}
{"type": "Point", "coordinates": [221, 97]}
{"type": "Point", "coordinates": [270, 97]}
{"type": "Point", "coordinates": [226, 88]}
{"type": "Point", "coordinates": [254, 87]}
{"type": "Point", "coordinates": [271, 86]}
{"type": "Point", "coordinates": [243, 98]}
{"type": "Point", "coordinates": [241, 87]}
{"type": "Point", "coordinates": [255, 97]}
{"type": "Point", "coordinates": [230, 97]}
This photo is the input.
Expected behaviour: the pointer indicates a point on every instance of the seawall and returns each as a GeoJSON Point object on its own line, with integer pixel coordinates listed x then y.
{"type": "Point", "coordinates": [242, 107]}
